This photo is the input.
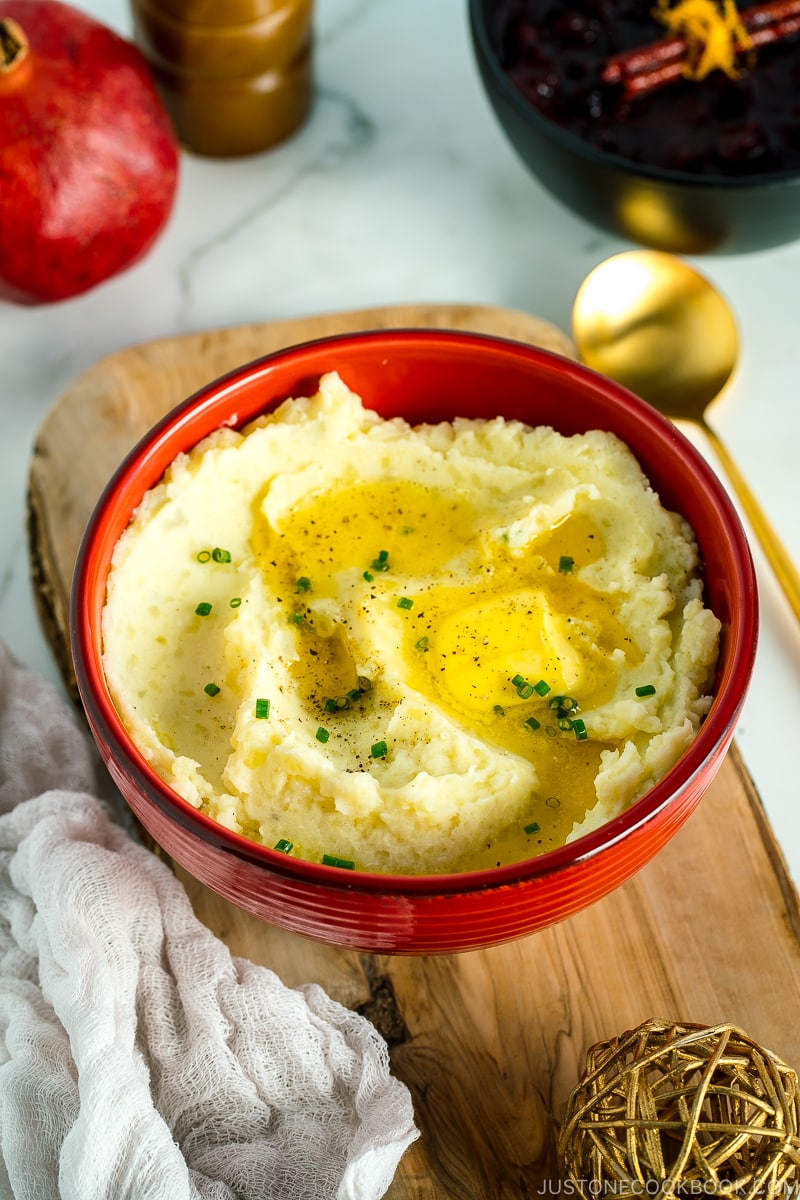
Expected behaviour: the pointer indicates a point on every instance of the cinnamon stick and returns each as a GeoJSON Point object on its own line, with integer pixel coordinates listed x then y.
{"type": "Point", "coordinates": [649, 67]}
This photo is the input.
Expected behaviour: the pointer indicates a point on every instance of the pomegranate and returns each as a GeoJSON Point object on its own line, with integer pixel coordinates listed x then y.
{"type": "Point", "coordinates": [88, 155]}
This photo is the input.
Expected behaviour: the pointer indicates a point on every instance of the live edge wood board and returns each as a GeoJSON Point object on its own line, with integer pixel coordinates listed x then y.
{"type": "Point", "coordinates": [490, 1043]}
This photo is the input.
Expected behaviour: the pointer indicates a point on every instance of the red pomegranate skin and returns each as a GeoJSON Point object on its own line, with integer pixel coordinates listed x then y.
{"type": "Point", "coordinates": [88, 156]}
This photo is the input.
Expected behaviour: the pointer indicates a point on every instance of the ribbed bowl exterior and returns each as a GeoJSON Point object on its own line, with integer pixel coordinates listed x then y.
{"type": "Point", "coordinates": [427, 375]}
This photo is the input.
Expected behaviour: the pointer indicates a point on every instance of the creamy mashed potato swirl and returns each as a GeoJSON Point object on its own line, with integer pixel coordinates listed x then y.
{"type": "Point", "coordinates": [407, 649]}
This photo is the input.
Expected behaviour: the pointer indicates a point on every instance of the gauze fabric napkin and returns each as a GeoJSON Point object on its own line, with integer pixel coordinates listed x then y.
{"type": "Point", "coordinates": [139, 1059]}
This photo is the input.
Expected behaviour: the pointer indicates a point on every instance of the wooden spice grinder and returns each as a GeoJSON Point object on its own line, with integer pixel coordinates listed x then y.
{"type": "Point", "coordinates": [236, 78]}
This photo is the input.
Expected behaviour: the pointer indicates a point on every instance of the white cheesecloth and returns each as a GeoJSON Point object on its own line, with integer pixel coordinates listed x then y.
{"type": "Point", "coordinates": [139, 1059]}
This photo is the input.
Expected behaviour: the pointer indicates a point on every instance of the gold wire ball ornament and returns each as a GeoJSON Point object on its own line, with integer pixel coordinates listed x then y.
{"type": "Point", "coordinates": [682, 1110]}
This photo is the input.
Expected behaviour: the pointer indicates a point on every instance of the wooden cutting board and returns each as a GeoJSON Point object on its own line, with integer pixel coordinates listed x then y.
{"type": "Point", "coordinates": [490, 1042]}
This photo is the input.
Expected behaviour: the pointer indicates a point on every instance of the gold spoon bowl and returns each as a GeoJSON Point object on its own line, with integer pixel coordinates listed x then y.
{"type": "Point", "coordinates": [651, 322]}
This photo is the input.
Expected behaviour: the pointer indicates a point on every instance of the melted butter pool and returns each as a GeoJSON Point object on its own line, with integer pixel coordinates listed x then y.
{"type": "Point", "coordinates": [509, 643]}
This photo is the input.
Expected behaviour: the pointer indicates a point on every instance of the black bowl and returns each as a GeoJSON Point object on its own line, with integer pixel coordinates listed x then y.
{"type": "Point", "coordinates": [665, 209]}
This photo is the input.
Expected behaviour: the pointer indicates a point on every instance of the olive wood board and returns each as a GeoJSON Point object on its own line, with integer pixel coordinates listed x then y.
{"type": "Point", "coordinates": [491, 1042]}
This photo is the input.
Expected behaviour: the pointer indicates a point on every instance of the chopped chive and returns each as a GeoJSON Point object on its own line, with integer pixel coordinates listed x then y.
{"type": "Point", "coordinates": [336, 704]}
{"type": "Point", "coordinates": [322, 735]}
{"type": "Point", "coordinates": [524, 690]}
{"type": "Point", "coordinates": [379, 750]}
{"type": "Point", "coordinates": [532, 723]}
{"type": "Point", "coordinates": [211, 689]}
{"type": "Point", "coordinates": [203, 609]}
{"type": "Point", "coordinates": [220, 556]}
{"type": "Point", "coordinates": [303, 584]}
{"type": "Point", "coordinates": [204, 556]}
{"type": "Point", "coordinates": [262, 709]}
{"type": "Point", "coordinates": [381, 563]}
{"type": "Point", "coordinates": [405, 602]}
{"type": "Point", "coordinates": [564, 703]}
{"type": "Point", "coordinates": [364, 684]}
{"type": "Point", "coordinates": [646, 689]}
{"type": "Point", "coordinates": [517, 680]}
{"type": "Point", "coordinates": [284, 845]}
{"type": "Point", "coordinates": [296, 618]}
{"type": "Point", "coordinates": [565, 723]}
{"type": "Point", "coordinates": [580, 730]}
{"type": "Point", "coordinates": [332, 860]}
{"type": "Point", "coordinates": [565, 564]}
{"type": "Point", "coordinates": [368, 576]}
{"type": "Point", "coordinates": [534, 827]}
{"type": "Point", "coordinates": [422, 644]}
{"type": "Point", "coordinates": [499, 710]}
{"type": "Point", "coordinates": [236, 601]}
{"type": "Point", "coordinates": [541, 687]}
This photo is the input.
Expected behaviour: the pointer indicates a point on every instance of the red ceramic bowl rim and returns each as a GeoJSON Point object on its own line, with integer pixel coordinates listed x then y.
{"type": "Point", "coordinates": [572, 141]}
{"type": "Point", "coordinates": [123, 493]}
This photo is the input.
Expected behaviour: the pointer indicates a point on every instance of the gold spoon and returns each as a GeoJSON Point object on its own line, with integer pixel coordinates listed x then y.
{"type": "Point", "coordinates": [654, 324]}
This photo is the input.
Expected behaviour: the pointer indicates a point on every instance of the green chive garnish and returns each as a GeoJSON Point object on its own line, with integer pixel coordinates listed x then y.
{"type": "Point", "coordinates": [565, 723]}
{"type": "Point", "coordinates": [422, 644]}
{"type": "Point", "coordinates": [524, 689]}
{"type": "Point", "coordinates": [322, 735]}
{"type": "Point", "coordinates": [565, 564]}
{"type": "Point", "coordinates": [580, 730]}
{"type": "Point", "coordinates": [646, 689]}
{"type": "Point", "coordinates": [211, 689]}
{"type": "Point", "coordinates": [296, 618]}
{"type": "Point", "coordinates": [379, 750]}
{"type": "Point", "coordinates": [532, 723]}
{"type": "Point", "coordinates": [541, 687]}
{"type": "Point", "coordinates": [499, 710]}
{"type": "Point", "coordinates": [262, 709]}
{"type": "Point", "coordinates": [332, 860]}
{"type": "Point", "coordinates": [303, 584]}
{"type": "Point", "coordinates": [405, 602]}
{"type": "Point", "coordinates": [220, 556]}
{"type": "Point", "coordinates": [368, 576]}
{"type": "Point", "coordinates": [236, 601]}
{"type": "Point", "coordinates": [381, 563]}
{"type": "Point", "coordinates": [284, 845]}
{"type": "Point", "coordinates": [533, 827]}
{"type": "Point", "coordinates": [203, 609]}
{"type": "Point", "coordinates": [204, 556]}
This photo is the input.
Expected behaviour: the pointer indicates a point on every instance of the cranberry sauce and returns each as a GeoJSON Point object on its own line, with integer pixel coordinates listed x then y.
{"type": "Point", "coordinates": [555, 54]}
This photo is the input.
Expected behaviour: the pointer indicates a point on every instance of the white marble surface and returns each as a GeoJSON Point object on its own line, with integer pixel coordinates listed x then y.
{"type": "Point", "coordinates": [402, 188]}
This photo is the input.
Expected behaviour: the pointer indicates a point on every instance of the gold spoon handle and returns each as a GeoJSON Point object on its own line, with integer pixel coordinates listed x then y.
{"type": "Point", "coordinates": [777, 555]}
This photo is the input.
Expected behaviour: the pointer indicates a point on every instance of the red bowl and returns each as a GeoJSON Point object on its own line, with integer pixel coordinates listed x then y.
{"type": "Point", "coordinates": [426, 376]}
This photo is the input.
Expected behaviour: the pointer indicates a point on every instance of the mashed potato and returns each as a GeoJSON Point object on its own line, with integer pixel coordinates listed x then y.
{"type": "Point", "coordinates": [407, 649]}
